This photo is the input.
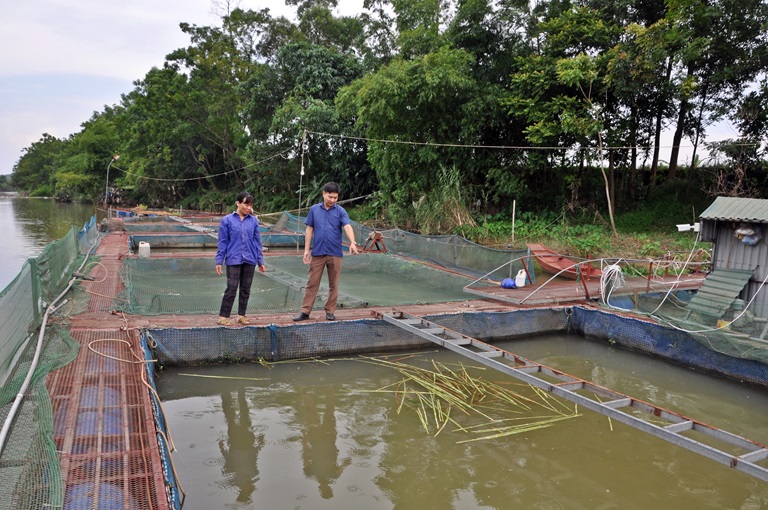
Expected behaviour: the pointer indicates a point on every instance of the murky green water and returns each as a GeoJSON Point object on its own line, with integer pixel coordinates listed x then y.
{"type": "Point", "coordinates": [314, 436]}
{"type": "Point", "coordinates": [28, 225]}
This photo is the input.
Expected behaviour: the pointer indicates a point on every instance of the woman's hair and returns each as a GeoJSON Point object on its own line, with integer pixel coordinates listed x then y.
{"type": "Point", "coordinates": [244, 197]}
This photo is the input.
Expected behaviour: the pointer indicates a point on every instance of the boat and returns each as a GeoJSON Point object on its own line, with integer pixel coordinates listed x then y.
{"type": "Point", "coordinates": [554, 263]}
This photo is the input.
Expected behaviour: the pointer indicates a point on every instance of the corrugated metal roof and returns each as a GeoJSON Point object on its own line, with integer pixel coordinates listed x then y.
{"type": "Point", "coordinates": [737, 209]}
{"type": "Point", "coordinates": [718, 291]}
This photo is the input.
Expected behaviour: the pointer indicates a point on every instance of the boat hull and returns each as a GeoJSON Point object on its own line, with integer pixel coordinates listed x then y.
{"type": "Point", "coordinates": [553, 263]}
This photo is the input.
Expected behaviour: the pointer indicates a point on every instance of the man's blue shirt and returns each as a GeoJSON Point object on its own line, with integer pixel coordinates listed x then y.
{"type": "Point", "coordinates": [328, 224]}
{"type": "Point", "coordinates": [239, 241]}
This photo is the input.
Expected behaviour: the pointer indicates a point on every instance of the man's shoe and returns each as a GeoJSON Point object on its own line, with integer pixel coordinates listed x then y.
{"type": "Point", "coordinates": [301, 317]}
{"type": "Point", "coordinates": [329, 316]}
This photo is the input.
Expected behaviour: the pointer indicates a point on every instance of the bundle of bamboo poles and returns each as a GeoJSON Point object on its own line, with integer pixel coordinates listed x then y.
{"type": "Point", "coordinates": [441, 395]}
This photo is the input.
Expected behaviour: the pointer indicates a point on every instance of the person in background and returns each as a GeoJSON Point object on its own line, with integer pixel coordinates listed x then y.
{"type": "Point", "coordinates": [325, 222]}
{"type": "Point", "coordinates": [240, 250]}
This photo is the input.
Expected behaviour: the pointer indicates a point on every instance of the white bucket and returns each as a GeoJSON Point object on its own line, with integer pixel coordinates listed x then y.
{"type": "Point", "coordinates": [520, 278]}
{"type": "Point", "coordinates": [143, 250]}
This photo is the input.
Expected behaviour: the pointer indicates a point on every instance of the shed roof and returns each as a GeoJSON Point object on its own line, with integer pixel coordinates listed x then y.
{"type": "Point", "coordinates": [737, 209]}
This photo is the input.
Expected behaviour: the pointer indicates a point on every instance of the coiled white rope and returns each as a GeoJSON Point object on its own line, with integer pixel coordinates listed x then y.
{"type": "Point", "coordinates": [611, 280]}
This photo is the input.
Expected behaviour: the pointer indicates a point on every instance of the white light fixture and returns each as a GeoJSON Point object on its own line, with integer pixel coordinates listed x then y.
{"type": "Point", "coordinates": [686, 227]}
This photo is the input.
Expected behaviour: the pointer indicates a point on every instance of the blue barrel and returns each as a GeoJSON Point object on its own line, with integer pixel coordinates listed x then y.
{"type": "Point", "coordinates": [88, 422]}
{"type": "Point", "coordinates": [89, 396]}
{"type": "Point", "coordinates": [110, 496]}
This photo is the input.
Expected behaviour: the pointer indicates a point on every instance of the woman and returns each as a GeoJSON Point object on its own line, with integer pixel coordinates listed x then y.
{"type": "Point", "coordinates": [240, 250]}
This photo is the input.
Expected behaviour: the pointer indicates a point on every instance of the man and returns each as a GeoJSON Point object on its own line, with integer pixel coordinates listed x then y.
{"type": "Point", "coordinates": [325, 222]}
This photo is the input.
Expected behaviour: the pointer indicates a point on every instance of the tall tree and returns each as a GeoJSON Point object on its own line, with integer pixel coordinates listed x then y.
{"type": "Point", "coordinates": [34, 171]}
{"type": "Point", "coordinates": [722, 51]}
{"type": "Point", "coordinates": [422, 103]}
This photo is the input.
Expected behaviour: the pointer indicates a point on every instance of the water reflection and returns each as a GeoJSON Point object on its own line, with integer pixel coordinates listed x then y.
{"type": "Point", "coordinates": [240, 448]}
{"type": "Point", "coordinates": [27, 225]}
{"type": "Point", "coordinates": [319, 454]}
{"type": "Point", "coordinates": [317, 437]}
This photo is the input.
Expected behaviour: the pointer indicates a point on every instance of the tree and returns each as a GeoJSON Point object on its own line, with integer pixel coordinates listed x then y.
{"type": "Point", "coordinates": [722, 50]}
{"type": "Point", "coordinates": [420, 102]}
{"type": "Point", "coordinates": [81, 165]}
{"type": "Point", "coordinates": [562, 92]}
{"type": "Point", "coordinates": [33, 173]}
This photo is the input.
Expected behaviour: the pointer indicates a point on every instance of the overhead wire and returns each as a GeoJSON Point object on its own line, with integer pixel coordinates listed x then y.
{"type": "Point", "coordinates": [507, 147]}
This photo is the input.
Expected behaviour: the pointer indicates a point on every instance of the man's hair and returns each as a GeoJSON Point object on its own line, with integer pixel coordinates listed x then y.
{"type": "Point", "coordinates": [331, 187]}
{"type": "Point", "coordinates": [244, 197]}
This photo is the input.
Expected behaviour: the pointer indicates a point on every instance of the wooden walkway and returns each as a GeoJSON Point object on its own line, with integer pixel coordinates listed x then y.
{"type": "Point", "coordinates": [559, 291]}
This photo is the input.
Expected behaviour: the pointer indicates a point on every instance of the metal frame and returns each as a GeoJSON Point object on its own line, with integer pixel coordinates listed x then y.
{"type": "Point", "coordinates": [530, 372]}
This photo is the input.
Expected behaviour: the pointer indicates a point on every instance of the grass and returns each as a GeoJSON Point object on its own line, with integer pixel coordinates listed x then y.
{"type": "Point", "coordinates": [646, 231]}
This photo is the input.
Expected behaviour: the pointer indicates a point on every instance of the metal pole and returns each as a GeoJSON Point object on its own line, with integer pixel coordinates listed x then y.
{"type": "Point", "coordinates": [301, 184]}
{"type": "Point", "coordinates": [106, 188]}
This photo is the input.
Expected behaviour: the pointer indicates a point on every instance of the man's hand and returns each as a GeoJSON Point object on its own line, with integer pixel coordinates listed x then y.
{"type": "Point", "coordinates": [218, 268]}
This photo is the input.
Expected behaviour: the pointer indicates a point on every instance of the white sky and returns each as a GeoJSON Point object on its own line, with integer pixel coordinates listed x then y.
{"type": "Point", "coordinates": [61, 61]}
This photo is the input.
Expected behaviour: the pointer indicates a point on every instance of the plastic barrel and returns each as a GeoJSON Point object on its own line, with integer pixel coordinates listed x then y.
{"type": "Point", "coordinates": [89, 396]}
{"type": "Point", "coordinates": [88, 422]}
{"type": "Point", "coordinates": [84, 495]}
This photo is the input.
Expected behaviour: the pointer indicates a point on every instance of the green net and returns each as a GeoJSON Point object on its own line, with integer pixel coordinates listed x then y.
{"type": "Point", "coordinates": [402, 269]}
{"type": "Point", "coordinates": [735, 334]}
{"type": "Point", "coordinates": [29, 466]}
{"type": "Point", "coordinates": [450, 252]}
{"type": "Point", "coordinates": [156, 286]}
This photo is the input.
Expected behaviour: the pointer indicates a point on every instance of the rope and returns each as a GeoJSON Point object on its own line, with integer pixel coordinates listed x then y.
{"type": "Point", "coordinates": [611, 280]}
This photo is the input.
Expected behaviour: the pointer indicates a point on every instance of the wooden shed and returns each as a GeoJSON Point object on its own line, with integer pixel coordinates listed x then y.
{"type": "Point", "coordinates": [737, 227]}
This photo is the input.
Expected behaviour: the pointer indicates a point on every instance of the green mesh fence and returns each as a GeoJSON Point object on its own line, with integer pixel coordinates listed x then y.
{"type": "Point", "coordinates": [29, 468]}
{"type": "Point", "coordinates": [740, 339]}
{"type": "Point", "coordinates": [383, 279]}
{"type": "Point", "coordinates": [449, 252]}
{"type": "Point", "coordinates": [415, 269]}
{"type": "Point", "coordinates": [29, 465]}
{"type": "Point", "coordinates": [24, 300]}
{"type": "Point", "coordinates": [156, 286]}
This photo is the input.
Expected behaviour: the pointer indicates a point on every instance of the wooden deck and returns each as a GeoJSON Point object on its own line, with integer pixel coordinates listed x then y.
{"type": "Point", "coordinates": [559, 291]}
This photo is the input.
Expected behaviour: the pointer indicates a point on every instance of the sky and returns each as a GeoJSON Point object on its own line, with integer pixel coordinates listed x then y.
{"type": "Point", "coordinates": [61, 61]}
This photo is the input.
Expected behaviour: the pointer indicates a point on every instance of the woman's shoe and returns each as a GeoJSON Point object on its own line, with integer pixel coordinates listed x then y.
{"type": "Point", "coordinates": [224, 321]}
{"type": "Point", "coordinates": [244, 321]}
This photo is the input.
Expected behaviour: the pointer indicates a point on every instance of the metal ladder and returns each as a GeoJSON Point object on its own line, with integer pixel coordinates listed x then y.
{"type": "Point", "coordinates": [533, 373]}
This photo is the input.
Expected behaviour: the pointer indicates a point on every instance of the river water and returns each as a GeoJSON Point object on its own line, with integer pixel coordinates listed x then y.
{"type": "Point", "coordinates": [27, 225]}
{"type": "Point", "coordinates": [310, 435]}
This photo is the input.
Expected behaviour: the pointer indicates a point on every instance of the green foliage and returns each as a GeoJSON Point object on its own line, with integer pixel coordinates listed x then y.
{"type": "Point", "coordinates": [6, 183]}
{"type": "Point", "coordinates": [440, 107]}
{"type": "Point", "coordinates": [588, 240]}
{"type": "Point", "coordinates": [45, 190]}
{"type": "Point", "coordinates": [668, 207]}
{"type": "Point", "coordinates": [445, 209]}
